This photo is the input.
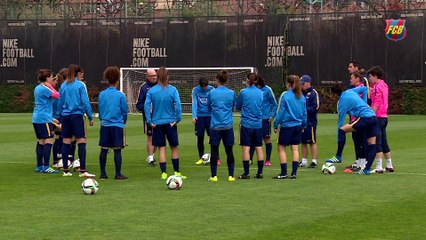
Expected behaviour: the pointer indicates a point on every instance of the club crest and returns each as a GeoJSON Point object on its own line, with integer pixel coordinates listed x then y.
{"type": "Point", "coordinates": [395, 29]}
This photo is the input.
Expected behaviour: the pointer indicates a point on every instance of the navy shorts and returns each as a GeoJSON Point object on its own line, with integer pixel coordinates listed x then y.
{"type": "Point", "coordinates": [382, 139]}
{"type": "Point", "coordinates": [160, 132]}
{"type": "Point", "coordinates": [290, 136]}
{"type": "Point", "coordinates": [202, 125]}
{"type": "Point", "coordinates": [226, 135]}
{"type": "Point", "coordinates": [43, 130]}
{"type": "Point", "coordinates": [309, 136]}
{"type": "Point", "coordinates": [147, 129]}
{"type": "Point", "coordinates": [250, 137]}
{"type": "Point", "coordinates": [111, 137]}
{"type": "Point", "coordinates": [73, 125]}
{"type": "Point", "coordinates": [366, 125]}
{"type": "Point", "coordinates": [266, 128]}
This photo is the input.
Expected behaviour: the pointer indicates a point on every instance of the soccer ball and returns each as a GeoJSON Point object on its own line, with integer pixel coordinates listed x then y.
{"type": "Point", "coordinates": [76, 164]}
{"type": "Point", "coordinates": [174, 182]}
{"type": "Point", "coordinates": [89, 186]}
{"type": "Point", "coordinates": [206, 158]}
{"type": "Point", "coordinates": [328, 168]}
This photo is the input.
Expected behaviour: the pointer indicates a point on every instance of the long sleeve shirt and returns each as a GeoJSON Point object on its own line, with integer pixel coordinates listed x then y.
{"type": "Point", "coordinates": [143, 90]}
{"type": "Point", "coordinates": [162, 105]}
{"type": "Point", "coordinates": [221, 102]}
{"type": "Point", "coordinates": [113, 108]}
{"type": "Point", "coordinates": [43, 109]}
{"type": "Point", "coordinates": [379, 99]}
{"type": "Point", "coordinates": [199, 101]}
{"type": "Point", "coordinates": [74, 99]}
{"type": "Point", "coordinates": [269, 104]}
{"type": "Point", "coordinates": [312, 105]}
{"type": "Point", "coordinates": [291, 111]}
{"type": "Point", "coordinates": [250, 103]}
{"type": "Point", "coordinates": [350, 103]}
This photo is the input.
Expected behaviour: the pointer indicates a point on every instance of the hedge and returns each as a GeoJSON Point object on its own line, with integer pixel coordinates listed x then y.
{"type": "Point", "coordinates": [402, 100]}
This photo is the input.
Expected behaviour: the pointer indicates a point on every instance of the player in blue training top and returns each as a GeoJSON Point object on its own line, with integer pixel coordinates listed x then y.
{"type": "Point", "coordinates": [200, 114]}
{"type": "Point", "coordinates": [221, 102]}
{"type": "Point", "coordinates": [291, 115]}
{"type": "Point", "coordinates": [73, 104]}
{"type": "Point", "coordinates": [366, 121]}
{"type": "Point", "coordinates": [163, 111]}
{"type": "Point", "coordinates": [309, 135]}
{"type": "Point", "coordinates": [360, 143]}
{"type": "Point", "coordinates": [42, 119]}
{"type": "Point", "coordinates": [269, 109]}
{"type": "Point", "coordinates": [113, 111]}
{"type": "Point", "coordinates": [151, 81]}
{"type": "Point", "coordinates": [250, 102]}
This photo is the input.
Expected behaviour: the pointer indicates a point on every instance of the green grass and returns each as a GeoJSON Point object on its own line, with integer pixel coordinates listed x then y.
{"type": "Point", "coordinates": [315, 206]}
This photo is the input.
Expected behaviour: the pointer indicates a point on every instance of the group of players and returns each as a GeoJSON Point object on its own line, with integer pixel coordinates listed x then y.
{"type": "Point", "coordinates": [212, 113]}
{"type": "Point", "coordinates": [64, 113]}
{"type": "Point", "coordinates": [294, 118]}
{"type": "Point", "coordinates": [366, 102]}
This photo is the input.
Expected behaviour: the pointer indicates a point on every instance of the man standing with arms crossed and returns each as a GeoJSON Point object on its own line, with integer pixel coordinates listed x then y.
{"type": "Point", "coordinates": [151, 80]}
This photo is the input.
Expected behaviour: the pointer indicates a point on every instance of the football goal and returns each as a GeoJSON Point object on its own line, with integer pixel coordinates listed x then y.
{"type": "Point", "coordinates": [184, 79]}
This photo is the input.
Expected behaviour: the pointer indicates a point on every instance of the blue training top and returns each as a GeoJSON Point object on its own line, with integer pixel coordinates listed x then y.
{"type": "Point", "coordinates": [162, 105]}
{"type": "Point", "coordinates": [199, 101]}
{"type": "Point", "coordinates": [43, 109]}
{"type": "Point", "coordinates": [350, 103]}
{"type": "Point", "coordinates": [250, 103]}
{"type": "Point", "coordinates": [74, 99]}
{"type": "Point", "coordinates": [113, 108]}
{"type": "Point", "coordinates": [269, 104]}
{"type": "Point", "coordinates": [221, 102]}
{"type": "Point", "coordinates": [291, 110]}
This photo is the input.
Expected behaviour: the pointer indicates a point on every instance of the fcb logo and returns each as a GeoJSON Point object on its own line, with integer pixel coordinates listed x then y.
{"type": "Point", "coordinates": [395, 29]}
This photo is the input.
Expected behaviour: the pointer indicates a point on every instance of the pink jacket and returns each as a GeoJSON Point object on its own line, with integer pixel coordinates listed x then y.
{"type": "Point", "coordinates": [379, 98]}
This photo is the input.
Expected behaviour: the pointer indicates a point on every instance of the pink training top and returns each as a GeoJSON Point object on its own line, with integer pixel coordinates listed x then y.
{"type": "Point", "coordinates": [379, 98]}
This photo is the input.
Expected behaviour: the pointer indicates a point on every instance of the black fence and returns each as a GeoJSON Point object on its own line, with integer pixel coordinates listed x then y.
{"type": "Point", "coordinates": [320, 45]}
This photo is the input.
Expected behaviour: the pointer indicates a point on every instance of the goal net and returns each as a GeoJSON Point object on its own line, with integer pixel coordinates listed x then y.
{"type": "Point", "coordinates": [184, 79]}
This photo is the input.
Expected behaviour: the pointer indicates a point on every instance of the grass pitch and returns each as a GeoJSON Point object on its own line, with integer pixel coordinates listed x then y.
{"type": "Point", "coordinates": [315, 206]}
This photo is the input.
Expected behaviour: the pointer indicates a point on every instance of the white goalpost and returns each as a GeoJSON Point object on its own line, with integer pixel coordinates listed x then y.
{"type": "Point", "coordinates": [184, 79]}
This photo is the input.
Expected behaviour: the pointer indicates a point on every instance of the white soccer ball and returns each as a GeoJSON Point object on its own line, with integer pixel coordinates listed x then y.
{"type": "Point", "coordinates": [328, 168]}
{"type": "Point", "coordinates": [89, 186]}
{"type": "Point", "coordinates": [174, 182]}
{"type": "Point", "coordinates": [76, 164]}
{"type": "Point", "coordinates": [206, 158]}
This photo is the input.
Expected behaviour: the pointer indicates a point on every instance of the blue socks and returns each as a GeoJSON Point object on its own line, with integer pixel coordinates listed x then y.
{"type": "Point", "coordinates": [283, 169]}
{"type": "Point", "coordinates": [260, 166]}
{"type": "Point", "coordinates": [246, 164]}
{"type": "Point", "coordinates": [65, 152]}
{"type": "Point", "coordinates": [163, 166]}
{"type": "Point", "coordinates": [371, 153]}
{"type": "Point", "coordinates": [341, 141]}
{"type": "Point", "coordinates": [295, 165]}
{"type": "Point", "coordinates": [268, 151]}
{"type": "Point", "coordinates": [39, 154]}
{"type": "Point", "coordinates": [118, 160]}
{"type": "Point", "coordinates": [82, 156]}
{"type": "Point", "coordinates": [46, 154]}
{"type": "Point", "coordinates": [57, 145]}
{"type": "Point", "coordinates": [175, 163]}
{"type": "Point", "coordinates": [103, 160]}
